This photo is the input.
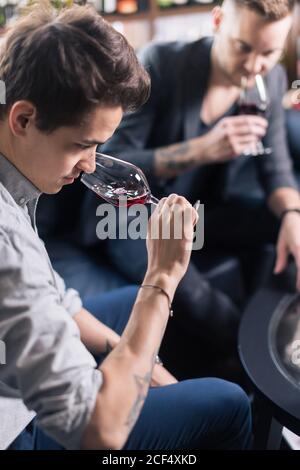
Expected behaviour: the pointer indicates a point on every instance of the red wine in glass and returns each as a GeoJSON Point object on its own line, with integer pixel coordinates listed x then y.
{"type": "Point", "coordinates": [253, 109]}
{"type": "Point", "coordinates": [118, 182]}
{"type": "Point", "coordinates": [122, 197]}
{"type": "Point", "coordinates": [255, 102]}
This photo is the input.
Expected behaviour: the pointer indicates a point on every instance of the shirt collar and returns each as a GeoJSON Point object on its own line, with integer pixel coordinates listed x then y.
{"type": "Point", "coordinates": [20, 188]}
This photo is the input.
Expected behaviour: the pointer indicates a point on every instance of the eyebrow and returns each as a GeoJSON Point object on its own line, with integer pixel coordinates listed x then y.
{"type": "Point", "coordinates": [250, 47]}
{"type": "Point", "coordinates": [244, 43]}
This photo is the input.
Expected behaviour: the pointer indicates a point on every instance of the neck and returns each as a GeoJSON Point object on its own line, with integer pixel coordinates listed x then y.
{"type": "Point", "coordinates": [6, 147]}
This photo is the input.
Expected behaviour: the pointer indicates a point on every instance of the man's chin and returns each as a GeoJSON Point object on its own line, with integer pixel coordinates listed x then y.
{"type": "Point", "coordinates": [53, 189]}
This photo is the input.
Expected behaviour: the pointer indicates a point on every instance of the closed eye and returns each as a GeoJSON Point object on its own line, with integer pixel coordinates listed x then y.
{"type": "Point", "coordinates": [269, 53]}
{"type": "Point", "coordinates": [244, 48]}
{"type": "Point", "coordinates": [84, 146]}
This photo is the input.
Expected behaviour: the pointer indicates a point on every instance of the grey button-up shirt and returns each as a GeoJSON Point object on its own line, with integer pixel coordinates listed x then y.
{"type": "Point", "coordinates": [48, 370]}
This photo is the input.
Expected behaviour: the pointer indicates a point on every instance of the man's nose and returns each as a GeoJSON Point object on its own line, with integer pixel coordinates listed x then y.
{"type": "Point", "coordinates": [88, 164]}
{"type": "Point", "coordinates": [254, 64]}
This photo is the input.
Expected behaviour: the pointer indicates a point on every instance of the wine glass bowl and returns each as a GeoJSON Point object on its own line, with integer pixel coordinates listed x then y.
{"type": "Point", "coordinates": [118, 182]}
{"type": "Point", "coordinates": [255, 101]}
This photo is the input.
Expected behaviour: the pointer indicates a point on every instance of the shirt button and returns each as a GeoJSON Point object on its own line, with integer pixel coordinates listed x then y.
{"type": "Point", "coordinates": [22, 200]}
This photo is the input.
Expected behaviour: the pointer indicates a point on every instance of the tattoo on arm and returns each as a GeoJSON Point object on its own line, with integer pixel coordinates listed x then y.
{"type": "Point", "coordinates": [174, 158]}
{"type": "Point", "coordinates": [174, 150]}
{"type": "Point", "coordinates": [142, 384]}
{"type": "Point", "coordinates": [142, 387]}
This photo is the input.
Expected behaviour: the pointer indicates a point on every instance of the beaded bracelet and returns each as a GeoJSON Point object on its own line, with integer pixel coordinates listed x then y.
{"type": "Point", "coordinates": [150, 286]}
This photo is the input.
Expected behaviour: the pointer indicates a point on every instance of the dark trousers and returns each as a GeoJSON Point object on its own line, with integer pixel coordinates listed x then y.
{"type": "Point", "coordinates": [193, 414]}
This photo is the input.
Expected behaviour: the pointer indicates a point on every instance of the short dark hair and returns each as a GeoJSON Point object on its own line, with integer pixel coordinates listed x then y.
{"type": "Point", "coordinates": [270, 9]}
{"type": "Point", "coordinates": [66, 62]}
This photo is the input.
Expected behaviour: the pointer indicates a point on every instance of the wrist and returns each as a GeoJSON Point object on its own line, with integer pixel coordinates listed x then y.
{"type": "Point", "coordinates": [289, 211]}
{"type": "Point", "coordinates": [166, 281]}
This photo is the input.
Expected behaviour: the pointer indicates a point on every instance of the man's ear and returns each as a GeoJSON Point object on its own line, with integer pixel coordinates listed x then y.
{"type": "Point", "coordinates": [21, 116]}
{"type": "Point", "coordinates": [217, 18]}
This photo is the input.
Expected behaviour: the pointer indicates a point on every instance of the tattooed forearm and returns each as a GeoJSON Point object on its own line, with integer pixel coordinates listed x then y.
{"type": "Point", "coordinates": [174, 159]}
{"type": "Point", "coordinates": [142, 386]}
{"type": "Point", "coordinates": [179, 166]}
{"type": "Point", "coordinates": [174, 150]}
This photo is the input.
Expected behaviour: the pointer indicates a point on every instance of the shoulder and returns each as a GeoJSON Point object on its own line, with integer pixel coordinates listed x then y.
{"type": "Point", "coordinates": [171, 53]}
{"type": "Point", "coordinates": [278, 71]}
{"type": "Point", "coordinates": [21, 250]}
{"type": "Point", "coordinates": [10, 217]}
{"type": "Point", "coordinates": [277, 80]}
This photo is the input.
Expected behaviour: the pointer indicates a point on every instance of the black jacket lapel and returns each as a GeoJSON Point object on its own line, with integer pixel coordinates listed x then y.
{"type": "Point", "coordinates": [195, 83]}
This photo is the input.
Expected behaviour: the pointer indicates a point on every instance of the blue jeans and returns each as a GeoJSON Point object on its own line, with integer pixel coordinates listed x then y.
{"type": "Point", "coordinates": [193, 414]}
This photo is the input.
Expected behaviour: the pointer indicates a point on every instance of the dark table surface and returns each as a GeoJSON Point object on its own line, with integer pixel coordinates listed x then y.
{"type": "Point", "coordinates": [269, 328]}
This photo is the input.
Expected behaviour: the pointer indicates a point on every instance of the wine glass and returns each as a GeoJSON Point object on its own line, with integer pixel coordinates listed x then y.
{"type": "Point", "coordinates": [118, 182]}
{"type": "Point", "coordinates": [254, 101]}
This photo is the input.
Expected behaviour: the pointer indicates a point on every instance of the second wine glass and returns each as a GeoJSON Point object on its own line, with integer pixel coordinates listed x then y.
{"type": "Point", "coordinates": [255, 101]}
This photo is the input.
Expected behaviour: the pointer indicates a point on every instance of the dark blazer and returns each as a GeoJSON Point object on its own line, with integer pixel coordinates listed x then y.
{"type": "Point", "coordinates": [179, 76]}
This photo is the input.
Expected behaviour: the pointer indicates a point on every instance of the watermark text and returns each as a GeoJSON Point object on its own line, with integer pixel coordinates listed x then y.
{"type": "Point", "coordinates": [296, 93]}
{"type": "Point", "coordinates": [2, 92]}
{"type": "Point", "coordinates": [133, 223]}
{"type": "Point", "coordinates": [2, 352]}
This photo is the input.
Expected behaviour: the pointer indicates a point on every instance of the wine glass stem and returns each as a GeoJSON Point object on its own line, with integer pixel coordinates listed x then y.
{"type": "Point", "coordinates": [153, 200]}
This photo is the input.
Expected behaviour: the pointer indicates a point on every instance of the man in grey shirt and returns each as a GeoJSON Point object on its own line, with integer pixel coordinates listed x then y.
{"type": "Point", "coordinates": [69, 77]}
